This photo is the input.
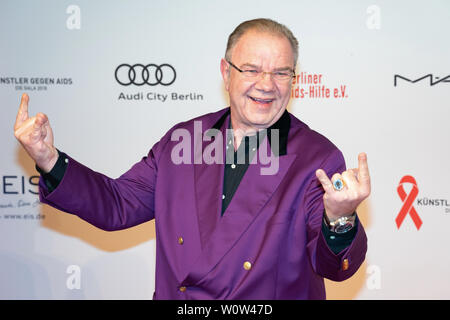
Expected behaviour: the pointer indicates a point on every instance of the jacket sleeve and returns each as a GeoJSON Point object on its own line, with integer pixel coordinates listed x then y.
{"type": "Point", "coordinates": [343, 265]}
{"type": "Point", "coordinates": [109, 204]}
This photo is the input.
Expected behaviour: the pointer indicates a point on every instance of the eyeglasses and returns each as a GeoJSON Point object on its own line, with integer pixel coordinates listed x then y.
{"type": "Point", "coordinates": [253, 73]}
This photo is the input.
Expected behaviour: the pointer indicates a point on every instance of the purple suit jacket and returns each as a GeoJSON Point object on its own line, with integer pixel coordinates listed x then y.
{"type": "Point", "coordinates": [273, 221]}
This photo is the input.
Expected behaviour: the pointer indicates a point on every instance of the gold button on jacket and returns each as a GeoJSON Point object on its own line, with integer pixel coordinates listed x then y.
{"type": "Point", "coordinates": [345, 264]}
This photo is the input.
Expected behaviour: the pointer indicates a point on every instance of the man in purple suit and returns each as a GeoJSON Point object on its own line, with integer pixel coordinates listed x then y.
{"type": "Point", "coordinates": [227, 227]}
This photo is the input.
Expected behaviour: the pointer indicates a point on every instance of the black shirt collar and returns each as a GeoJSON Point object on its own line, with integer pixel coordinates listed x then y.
{"type": "Point", "coordinates": [283, 125]}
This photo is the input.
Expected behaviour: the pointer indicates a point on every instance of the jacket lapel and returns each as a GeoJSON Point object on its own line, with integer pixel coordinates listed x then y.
{"type": "Point", "coordinates": [220, 234]}
{"type": "Point", "coordinates": [209, 181]}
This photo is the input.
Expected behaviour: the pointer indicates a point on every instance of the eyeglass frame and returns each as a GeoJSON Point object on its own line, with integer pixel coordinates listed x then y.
{"type": "Point", "coordinates": [259, 73]}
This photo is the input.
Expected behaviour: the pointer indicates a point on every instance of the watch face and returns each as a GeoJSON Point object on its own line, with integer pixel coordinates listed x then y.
{"type": "Point", "coordinates": [343, 228]}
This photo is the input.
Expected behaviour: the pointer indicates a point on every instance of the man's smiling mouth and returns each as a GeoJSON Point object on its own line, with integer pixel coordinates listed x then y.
{"type": "Point", "coordinates": [259, 100]}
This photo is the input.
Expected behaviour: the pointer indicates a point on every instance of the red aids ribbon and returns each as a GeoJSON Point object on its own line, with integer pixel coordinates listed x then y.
{"type": "Point", "coordinates": [408, 200]}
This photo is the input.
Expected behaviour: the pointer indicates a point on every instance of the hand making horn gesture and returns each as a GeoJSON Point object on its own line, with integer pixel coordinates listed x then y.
{"type": "Point", "coordinates": [36, 136]}
{"type": "Point", "coordinates": [346, 190]}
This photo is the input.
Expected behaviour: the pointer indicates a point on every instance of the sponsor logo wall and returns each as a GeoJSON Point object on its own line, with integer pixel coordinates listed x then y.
{"type": "Point", "coordinates": [114, 77]}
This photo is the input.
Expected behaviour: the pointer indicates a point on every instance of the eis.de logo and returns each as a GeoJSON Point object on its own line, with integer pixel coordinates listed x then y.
{"type": "Point", "coordinates": [408, 202]}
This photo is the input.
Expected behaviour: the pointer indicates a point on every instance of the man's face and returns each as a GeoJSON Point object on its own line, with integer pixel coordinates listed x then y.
{"type": "Point", "coordinates": [258, 103]}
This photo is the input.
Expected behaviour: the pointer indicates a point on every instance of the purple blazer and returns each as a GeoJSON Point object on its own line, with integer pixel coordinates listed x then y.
{"type": "Point", "coordinates": [267, 245]}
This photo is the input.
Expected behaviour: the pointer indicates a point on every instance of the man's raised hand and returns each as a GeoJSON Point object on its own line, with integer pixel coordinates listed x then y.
{"type": "Point", "coordinates": [356, 188]}
{"type": "Point", "coordinates": [36, 136]}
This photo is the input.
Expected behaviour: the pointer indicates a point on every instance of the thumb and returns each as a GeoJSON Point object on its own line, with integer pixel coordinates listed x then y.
{"type": "Point", "coordinates": [39, 131]}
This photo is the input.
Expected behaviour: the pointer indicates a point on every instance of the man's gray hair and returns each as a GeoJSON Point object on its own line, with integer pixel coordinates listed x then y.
{"type": "Point", "coordinates": [262, 25]}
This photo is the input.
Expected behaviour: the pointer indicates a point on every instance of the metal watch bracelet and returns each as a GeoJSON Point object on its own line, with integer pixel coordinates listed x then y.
{"type": "Point", "coordinates": [342, 224]}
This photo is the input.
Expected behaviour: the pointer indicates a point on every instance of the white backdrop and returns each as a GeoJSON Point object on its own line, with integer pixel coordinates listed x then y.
{"type": "Point", "coordinates": [64, 55]}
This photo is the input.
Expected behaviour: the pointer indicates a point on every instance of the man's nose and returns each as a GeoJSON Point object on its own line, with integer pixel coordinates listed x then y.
{"type": "Point", "coordinates": [265, 82]}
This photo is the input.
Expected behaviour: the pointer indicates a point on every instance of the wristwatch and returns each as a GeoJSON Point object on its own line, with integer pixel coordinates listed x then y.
{"type": "Point", "coordinates": [341, 225]}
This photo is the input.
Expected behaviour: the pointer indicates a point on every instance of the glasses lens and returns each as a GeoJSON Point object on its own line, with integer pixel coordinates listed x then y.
{"type": "Point", "coordinates": [282, 75]}
{"type": "Point", "coordinates": [251, 73]}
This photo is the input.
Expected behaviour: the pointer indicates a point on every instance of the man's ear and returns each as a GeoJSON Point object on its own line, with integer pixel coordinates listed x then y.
{"type": "Point", "coordinates": [225, 70]}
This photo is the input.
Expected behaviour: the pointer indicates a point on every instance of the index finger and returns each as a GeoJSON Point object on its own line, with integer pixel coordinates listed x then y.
{"type": "Point", "coordinates": [22, 114]}
{"type": "Point", "coordinates": [363, 168]}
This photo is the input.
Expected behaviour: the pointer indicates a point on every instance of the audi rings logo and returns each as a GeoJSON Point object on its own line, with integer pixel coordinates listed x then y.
{"type": "Point", "coordinates": [151, 74]}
